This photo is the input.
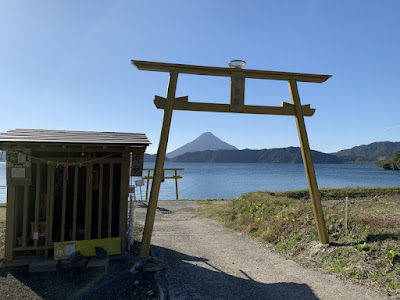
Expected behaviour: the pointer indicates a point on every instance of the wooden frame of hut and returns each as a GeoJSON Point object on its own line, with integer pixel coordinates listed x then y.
{"type": "Point", "coordinates": [66, 185]}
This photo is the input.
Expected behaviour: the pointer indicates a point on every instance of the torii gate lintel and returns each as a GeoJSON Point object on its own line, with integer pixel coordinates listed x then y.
{"type": "Point", "coordinates": [236, 106]}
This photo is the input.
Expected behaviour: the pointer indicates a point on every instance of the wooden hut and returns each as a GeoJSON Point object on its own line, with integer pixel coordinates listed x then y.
{"type": "Point", "coordinates": [66, 186]}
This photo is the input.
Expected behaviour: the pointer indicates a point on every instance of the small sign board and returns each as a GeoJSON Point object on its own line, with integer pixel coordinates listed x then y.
{"type": "Point", "coordinates": [64, 250]}
{"type": "Point", "coordinates": [139, 182]}
{"type": "Point", "coordinates": [18, 172]}
{"type": "Point", "coordinates": [137, 161]}
{"type": "Point", "coordinates": [19, 166]}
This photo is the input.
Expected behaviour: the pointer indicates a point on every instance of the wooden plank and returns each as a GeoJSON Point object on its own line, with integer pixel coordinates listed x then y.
{"type": "Point", "coordinates": [10, 224]}
{"type": "Point", "coordinates": [123, 204]}
{"type": "Point", "coordinates": [308, 164]}
{"type": "Point", "coordinates": [63, 204]}
{"type": "Point", "coordinates": [88, 247]}
{"type": "Point", "coordinates": [25, 216]}
{"type": "Point", "coordinates": [51, 206]}
{"type": "Point", "coordinates": [32, 248]}
{"type": "Point", "coordinates": [75, 205]}
{"type": "Point", "coordinates": [18, 208]}
{"type": "Point", "coordinates": [78, 148]}
{"type": "Point", "coordinates": [159, 166]}
{"type": "Point", "coordinates": [88, 211]}
{"type": "Point", "coordinates": [100, 206]}
{"type": "Point", "coordinates": [48, 192]}
{"type": "Point", "coordinates": [37, 202]}
{"type": "Point", "coordinates": [226, 72]}
{"type": "Point", "coordinates": [285, 110]}
{"type": "Point", "coordinates": [75, 161]}
{"type": "Point", "coordinates": [110, 200]}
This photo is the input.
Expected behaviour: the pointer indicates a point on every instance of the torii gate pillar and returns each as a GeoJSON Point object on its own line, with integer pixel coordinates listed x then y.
{"type": "Point", "coordinates": [308, 164]}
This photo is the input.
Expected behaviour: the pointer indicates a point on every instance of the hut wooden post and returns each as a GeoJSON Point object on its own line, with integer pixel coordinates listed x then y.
{"type": "Point", "coordinates": [37, 203]}
{"type": "Point", "coordinates": [51, 205]}
{"type": "Point", "coordinates": [10, 231]}
{"type": "Point", "coordinates": [123, 204]}
{"type": "Point", "coordinates": [75, 204]}
{"type": "Point", "coordinates": [64, 204]}
{"type": "Point", "coordinates": [159, 167]}
{"type": "Point", "coordinates": [25, 216]}
{"type": "Point", "coordinates": [100, 206]}
{"type": "Point", "coordinates": [147, 184]}
{"type": "Point", "coordinates": [48, 192]}
{"type": "Point", "coordinates": [88, 208]}
{"type": "Point", "coordinates": [110, 200]}
{"type": "Point", "coordinates": [308, 164]}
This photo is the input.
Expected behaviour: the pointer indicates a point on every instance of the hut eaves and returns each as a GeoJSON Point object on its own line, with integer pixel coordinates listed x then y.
{"type": "Point", "coordinates": [74, 137]}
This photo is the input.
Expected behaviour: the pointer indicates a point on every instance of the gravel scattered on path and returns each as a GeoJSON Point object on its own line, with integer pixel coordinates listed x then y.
{"type": "Point", "coordinates": [208, 261]}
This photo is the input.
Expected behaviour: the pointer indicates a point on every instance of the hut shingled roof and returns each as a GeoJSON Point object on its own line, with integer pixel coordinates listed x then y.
{"type": "Point", "coordinates": [73, 137]}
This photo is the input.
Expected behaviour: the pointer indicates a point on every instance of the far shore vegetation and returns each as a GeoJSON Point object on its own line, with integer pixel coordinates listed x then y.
{"type": "Point", "coordinates": [367, 252]}
{"type": "Point", "coordinates": [393, 163]}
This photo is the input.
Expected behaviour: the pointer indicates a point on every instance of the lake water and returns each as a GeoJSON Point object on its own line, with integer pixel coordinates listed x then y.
{"type": "Point", "coordinates": [220, 180]}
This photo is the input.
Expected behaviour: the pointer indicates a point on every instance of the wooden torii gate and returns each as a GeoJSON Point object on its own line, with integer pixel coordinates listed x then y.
{"type": "Point", "coordinates": [238, 76]}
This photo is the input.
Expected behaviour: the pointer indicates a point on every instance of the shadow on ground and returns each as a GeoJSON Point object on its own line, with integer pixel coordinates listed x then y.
{"type": "Point", "coordinates": [160, 209]}
{"type": "Point", "coordinates": [190, 277]}
{"type": "Point", "coordinates": [116, 284]}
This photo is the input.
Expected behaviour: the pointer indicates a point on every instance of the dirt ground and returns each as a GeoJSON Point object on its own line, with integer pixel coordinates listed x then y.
{"type": "Point", "coordinates": [117, 283]}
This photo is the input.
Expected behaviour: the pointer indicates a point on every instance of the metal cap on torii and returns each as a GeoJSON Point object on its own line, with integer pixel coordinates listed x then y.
{"type": "Point", "coordinates": [236, 63]}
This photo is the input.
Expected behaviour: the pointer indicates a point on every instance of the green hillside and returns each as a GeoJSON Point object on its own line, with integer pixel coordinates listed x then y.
{"type": "Point", "coordinates": [378, 151]}
{"type": "Point", "coordinates": [290, 155]}
{"type": "Point", "coordinates": [393, 163]}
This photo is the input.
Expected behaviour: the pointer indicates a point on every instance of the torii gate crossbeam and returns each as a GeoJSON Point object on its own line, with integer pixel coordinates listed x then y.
{"type": "Point", "coordinates": [236, 106]}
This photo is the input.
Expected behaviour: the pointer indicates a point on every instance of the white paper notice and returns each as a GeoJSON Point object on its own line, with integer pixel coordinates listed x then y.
{"type": "Point", "coordinates": [17, 172]}
{"type": "Point", "coordinates": [70, 249]}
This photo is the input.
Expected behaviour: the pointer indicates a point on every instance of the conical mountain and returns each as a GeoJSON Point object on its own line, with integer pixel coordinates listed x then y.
{"type": "Point", "coordinates": [206, 141]}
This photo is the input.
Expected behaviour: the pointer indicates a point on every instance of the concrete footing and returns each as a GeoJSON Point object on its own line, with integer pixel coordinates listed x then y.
{"type": "Point", "coordinates": [43, 265]}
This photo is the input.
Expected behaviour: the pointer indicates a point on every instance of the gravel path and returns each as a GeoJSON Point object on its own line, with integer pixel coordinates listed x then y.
{"type": "Point", "coordinates": [207, 261]}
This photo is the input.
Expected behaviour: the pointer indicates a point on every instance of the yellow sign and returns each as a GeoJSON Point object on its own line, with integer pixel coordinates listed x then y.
{"type": "Point", "coordinates": [63, 250]}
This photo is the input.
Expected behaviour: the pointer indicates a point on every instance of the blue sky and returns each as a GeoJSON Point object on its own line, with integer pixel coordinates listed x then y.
{"type": "Point", "coordinates": [66, 65]}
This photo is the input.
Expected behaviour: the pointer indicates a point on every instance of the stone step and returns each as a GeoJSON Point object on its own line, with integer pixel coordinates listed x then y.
{"type": "Point", "coordinates": [43, 265]}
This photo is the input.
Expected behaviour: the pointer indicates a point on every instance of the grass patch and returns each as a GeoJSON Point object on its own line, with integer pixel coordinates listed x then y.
{"type": "Point", "coordinates": [368, 252]}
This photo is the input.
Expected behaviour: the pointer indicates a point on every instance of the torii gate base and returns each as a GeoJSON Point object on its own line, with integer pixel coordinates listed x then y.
{"type": "Point", "coordinates": [237, 105]}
